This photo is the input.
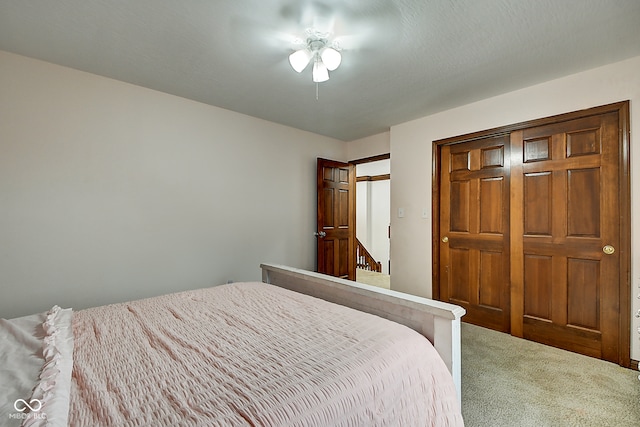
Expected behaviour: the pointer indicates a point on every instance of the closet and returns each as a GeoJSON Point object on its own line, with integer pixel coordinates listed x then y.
{"type": "Point", "coordinates": [531, 231]}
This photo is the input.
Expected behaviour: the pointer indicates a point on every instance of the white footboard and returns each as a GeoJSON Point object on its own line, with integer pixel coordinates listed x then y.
{"type": "Point", "coordinates": [438, 321]}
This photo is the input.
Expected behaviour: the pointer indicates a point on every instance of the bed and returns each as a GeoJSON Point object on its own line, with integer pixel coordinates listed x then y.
{"type": "Point", "coordinates": [290, 350]}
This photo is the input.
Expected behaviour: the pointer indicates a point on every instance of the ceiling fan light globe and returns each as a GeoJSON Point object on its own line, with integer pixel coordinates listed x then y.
{"type": "Point", "coordinates": [300, 59]}
{"type": "Point", "coordinates": [331, 58]}
{"type": "Point", "coordinates": [320, 73]}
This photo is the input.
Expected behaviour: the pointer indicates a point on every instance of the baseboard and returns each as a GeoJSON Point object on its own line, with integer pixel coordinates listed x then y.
{"type": "Point", "coordinates": [634, 365]}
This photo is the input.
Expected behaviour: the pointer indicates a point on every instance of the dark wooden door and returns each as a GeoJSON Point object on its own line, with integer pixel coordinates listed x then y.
{"type": "Point", "coordinates": [543, 213]}
{"type": "Point", "coordinates": [336, 232]}
{"type": "Point", "coordinates": [566, 235]}
{"type": "Point", "coordinates": [474, 230]}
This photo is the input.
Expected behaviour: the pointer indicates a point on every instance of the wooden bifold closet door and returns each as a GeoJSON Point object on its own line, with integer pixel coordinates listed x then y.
{"type": "Point", "coordinates": [532, 238]}
{"type": "Point", "coordinates": [474, 226]}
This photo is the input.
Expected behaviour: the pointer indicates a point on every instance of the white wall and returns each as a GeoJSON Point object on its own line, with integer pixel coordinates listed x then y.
{"type": "Point", "coordinates": [363, 197]}
{"type": "Point", "coordinates": [110, 192]}
{"type": "Point", "coordinates": [370, 146]}
{"type": "Point", "coordinates": [411, 167]}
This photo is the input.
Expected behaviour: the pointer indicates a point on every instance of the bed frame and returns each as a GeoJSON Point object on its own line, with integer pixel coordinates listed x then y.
{"type": "Point", "coordinates": [436, 320]}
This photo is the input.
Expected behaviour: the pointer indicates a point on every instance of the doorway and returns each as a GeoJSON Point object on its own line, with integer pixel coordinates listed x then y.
{"type": "Point", "coordinates": [532, 232]}
{"type": "Point", "coordinates": [338, 249]}
{"type": "Point", "coordinates": [373, 216]}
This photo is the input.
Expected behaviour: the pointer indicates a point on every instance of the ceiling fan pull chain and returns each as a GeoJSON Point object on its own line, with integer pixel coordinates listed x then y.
{"type": "Point", "coordinates": [317, 84]}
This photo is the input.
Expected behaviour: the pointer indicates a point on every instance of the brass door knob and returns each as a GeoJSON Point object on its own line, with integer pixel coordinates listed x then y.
{"type": "Point", "coordinates": [445, 239]}
{"type": "Point", "coordinates": [608, 249]}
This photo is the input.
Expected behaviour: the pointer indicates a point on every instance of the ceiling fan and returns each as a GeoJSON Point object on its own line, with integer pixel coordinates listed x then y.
{"type": "Point", "coordinates": [333, 26]}
{"type": "Point", "coordinates": [320, 32]}
{"type": "Point", "coordinates": [322, 50]}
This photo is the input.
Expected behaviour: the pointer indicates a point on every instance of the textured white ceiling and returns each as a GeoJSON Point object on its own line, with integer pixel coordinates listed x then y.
{"type": "Point", "coordinates": [403, 59]}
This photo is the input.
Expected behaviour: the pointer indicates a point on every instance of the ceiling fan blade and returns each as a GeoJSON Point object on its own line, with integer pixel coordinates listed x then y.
{"type": "Point", "coordinates": [267, 43]}
{"type": "Point", "coordinates": [310, 14]}
{"type": "Point", "coordinates": [356, 25]}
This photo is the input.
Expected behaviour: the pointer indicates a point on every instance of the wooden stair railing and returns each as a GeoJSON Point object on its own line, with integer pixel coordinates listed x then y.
{"type": "Point", "coordinates": [364, 260]}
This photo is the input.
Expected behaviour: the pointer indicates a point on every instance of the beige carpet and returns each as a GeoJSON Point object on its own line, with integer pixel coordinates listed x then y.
{"type": "Point", "coordinates": [511, 382]}
{"type": "Point", "coordinates": [372, 278]}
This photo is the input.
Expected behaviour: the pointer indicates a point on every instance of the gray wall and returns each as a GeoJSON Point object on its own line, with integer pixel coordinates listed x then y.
{"type": "Point", "coordinates": [111, 192]}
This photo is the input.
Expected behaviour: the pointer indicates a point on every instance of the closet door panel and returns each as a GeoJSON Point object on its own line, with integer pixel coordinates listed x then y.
{"type": "Point", "coordinates": [569, 221]}
{"type": "Point", "coordinates": [474, 249]}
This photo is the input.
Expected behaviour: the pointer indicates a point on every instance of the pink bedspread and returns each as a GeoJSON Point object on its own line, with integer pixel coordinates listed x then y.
{"type": "Point", "coordinates": [253, 354]}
